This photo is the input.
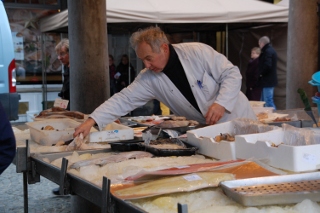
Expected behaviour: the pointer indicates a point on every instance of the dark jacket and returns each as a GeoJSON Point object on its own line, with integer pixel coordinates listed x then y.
{"type": "Point", "coordinates": [7, 141]}
{"type": "Point", "coordinates": [252, 77]}
{"type": "Point", "coordinates": [123, 80]}
{"type": "Point", "coordinates": [268, 67]}
{"type": "Point", "coordinates": [65, 91]}
{"type": "Point", "coordinates": [112, 72]}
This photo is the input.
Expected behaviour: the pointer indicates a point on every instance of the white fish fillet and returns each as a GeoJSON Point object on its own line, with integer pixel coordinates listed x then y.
{"type": "Point", "coordinates": [169, 185]}
{"type": "Point", "coordinates": [116, 157]}
{"type": "Point", "coordinates": [77, 144]}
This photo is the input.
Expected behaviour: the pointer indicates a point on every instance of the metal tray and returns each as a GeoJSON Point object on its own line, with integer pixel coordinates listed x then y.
{"type": "Point", "coordinates": [188, 151]}
{"type": "Point", "coordinates": [285, 189]}
{"type": "Point", "coordinates": [133, 145]}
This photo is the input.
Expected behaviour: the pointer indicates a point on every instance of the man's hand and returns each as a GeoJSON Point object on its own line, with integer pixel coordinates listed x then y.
{"type": "Point", "coordinates": [214, 114]}
{"type": "Point", "coordinates": [84, 128]}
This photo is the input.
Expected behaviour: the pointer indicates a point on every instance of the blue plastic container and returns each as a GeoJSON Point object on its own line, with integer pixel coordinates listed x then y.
{"type": "Point", "coordinates": [313, 83]}
{"type": "Point", "coordinates": [316, 77]}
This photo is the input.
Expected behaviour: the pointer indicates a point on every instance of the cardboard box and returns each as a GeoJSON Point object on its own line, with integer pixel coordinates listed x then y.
{"type": "Point", "coordinates": [293, 158]}
{"type": "Point", "coordinates": [203, 138]}
{"type": "Point", "coordinates": [63, 130]}
{"type": "Point", "coordinates": [112, 132]}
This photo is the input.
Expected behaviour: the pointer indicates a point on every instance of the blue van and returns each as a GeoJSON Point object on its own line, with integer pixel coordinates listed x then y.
{"type": "Point", "coordinates": [8, 96]}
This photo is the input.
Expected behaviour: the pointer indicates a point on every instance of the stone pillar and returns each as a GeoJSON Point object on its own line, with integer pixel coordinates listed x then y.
{"type": "Point", "coordinates": [302, 52]}
{"type": "Point", "coordinates": [89, 70]}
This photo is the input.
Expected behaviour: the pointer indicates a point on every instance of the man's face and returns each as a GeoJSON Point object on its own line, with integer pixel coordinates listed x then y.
{"type": "Point", "coordinates": [261, 44]}
{"type": "Point", "coordinates": [124, 60]}
{"type": "Point", "coordinates": [63, 56]}
{"type": "Point", "coordinates": [153, 61]}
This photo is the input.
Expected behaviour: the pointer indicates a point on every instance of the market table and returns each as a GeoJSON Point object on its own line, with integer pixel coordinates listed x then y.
{"type": "Point", "coordinates": [85, 195]}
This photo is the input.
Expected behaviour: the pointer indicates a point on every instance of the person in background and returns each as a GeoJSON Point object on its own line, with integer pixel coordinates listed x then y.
{"type": "Point", "coordinates": [159, 108]}
{"type": "Point", "coordinates": [62, 50]}
{"type": "Point", "coordinates": [192, 79]}
{"type": "Point", "coordinates": [7, 141]}
{"type": "Point", "coordinates": [254, 90]}
{"type": "Point", "coordinates": [267, 71]}
{"type": "Point", "coordinates": [112, 72]}
{"type": "Point", "coordinates": [156, 107]}
{"type": "Point", "coordinates": [122, 73]}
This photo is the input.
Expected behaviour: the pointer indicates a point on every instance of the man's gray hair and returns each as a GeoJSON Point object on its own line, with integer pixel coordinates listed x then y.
{"type": "Point", "coordinates": [63, 43]}
{"type": "Point", "coordinates": [153, 36]}
{"type": "Point", "coordinates": [264, 40]}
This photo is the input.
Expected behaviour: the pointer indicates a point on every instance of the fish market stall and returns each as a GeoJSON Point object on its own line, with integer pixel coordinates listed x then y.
{"type": "Point", "coordinates": [162, 175]}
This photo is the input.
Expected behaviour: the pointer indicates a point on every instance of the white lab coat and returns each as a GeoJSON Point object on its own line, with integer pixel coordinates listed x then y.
{"type": "Point", "coordinates": [212, 78]}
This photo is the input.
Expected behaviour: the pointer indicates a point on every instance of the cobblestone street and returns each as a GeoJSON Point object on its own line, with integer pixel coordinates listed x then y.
{"type": "Point", "coordinates": [40, 197]}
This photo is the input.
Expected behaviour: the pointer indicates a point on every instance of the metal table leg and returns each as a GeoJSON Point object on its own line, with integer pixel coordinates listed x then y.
{"type": "Point", "coordinates": [25, 192]}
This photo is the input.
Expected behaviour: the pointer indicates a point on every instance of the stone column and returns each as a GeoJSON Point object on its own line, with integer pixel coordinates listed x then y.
{"type": "Point", "coordinates": [89, 70]}
{"type": "Point", "coordinates": [302, 52]}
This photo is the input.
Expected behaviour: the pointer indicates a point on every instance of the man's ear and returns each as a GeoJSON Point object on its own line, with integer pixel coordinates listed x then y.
{"type": "Point", "coordinates": [165, 47]}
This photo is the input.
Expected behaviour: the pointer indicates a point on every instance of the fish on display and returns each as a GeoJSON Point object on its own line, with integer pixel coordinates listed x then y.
{"type": "Point", "coordinates": [114, 158]}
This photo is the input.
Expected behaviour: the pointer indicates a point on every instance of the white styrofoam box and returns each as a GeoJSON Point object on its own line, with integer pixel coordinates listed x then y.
{"type": "Point", "coordinates": [112, 132]}
{"type": "Point", "coordinates": [64, 129]}
{"type": "Point", "coordinates": [292, 158]}
{"type": "Point", "coordinates": [203, 138]}
{"type": "Point", "coordinates": [254, 145]}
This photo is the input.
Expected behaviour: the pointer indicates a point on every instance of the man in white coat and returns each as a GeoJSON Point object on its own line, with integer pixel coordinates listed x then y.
{"type": "Point", "coordinates": [192, 79]}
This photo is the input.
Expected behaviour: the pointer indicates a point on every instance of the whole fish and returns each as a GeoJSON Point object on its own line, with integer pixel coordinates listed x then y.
{"type": "Point", "coordinates": [179, 170]}
{"type": "Point", "coordinates": [114, 158]}
{"type": "Point", "coordinates": [169, 185]}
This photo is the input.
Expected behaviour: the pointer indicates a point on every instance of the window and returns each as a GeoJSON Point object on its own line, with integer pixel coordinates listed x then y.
{"type": "Point", "coordinates": [35, 54]}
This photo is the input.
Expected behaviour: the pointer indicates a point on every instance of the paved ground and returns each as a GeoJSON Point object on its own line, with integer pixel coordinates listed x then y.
{"type": "Point", "coordinates": [40, 197]}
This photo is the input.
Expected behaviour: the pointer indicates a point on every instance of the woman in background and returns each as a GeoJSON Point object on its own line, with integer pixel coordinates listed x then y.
{"type": "Point", "coordinates": [122, 73]}
{"type": "Point", "coordinates": [253, 92]}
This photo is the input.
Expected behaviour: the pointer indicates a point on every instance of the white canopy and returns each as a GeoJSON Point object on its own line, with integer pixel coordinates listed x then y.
{"type": "Point", "coordinates": [181, 11]}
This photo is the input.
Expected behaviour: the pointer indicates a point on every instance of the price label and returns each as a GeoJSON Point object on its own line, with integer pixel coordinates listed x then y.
{"type": "Point", "coordinates": [309, 158]}
{"type": "Point", "coordinates": [61, 103]}
{"type": "Point", "coordinates": [192, 177]}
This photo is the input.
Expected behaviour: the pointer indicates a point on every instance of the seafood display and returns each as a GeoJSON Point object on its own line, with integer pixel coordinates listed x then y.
{"type": "Point", "coordinates": [167, 143]}
{"type": "Point", "coordinates": [225, 136]}
{"type": "Point", "coordinates": [157, 184]}
{"type": "Point", "coordinates": [179, 170]}
{"type": "Point", "coordinates": [57, 112]}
